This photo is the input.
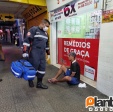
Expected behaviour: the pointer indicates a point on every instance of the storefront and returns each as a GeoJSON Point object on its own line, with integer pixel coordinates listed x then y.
{"type": "Point", "coordinates": [75, 26]}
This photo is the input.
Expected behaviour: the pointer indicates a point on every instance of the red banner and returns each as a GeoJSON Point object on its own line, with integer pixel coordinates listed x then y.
{"type": "Point", "coordinates": [86, 51]}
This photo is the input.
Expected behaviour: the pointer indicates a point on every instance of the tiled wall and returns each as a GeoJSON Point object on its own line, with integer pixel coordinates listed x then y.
{"type": "Point", "coordinates": [105, 62]}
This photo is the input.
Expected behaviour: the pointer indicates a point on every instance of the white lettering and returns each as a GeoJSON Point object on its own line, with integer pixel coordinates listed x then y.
{"type": "Point", "coordinates": [77, 44]}
{"type": "Point", "coordinates": [88, 45]}
{"type": "Point", "coordinates": [90, 109]}
{"type": "Point", "coordinates": [111, 109]}
{"type": "Point", "coordinates": [66, 50]}
{"type": "Point", "coordinates": [101, 109]}
{"type": "Point", "coordinates": [87, 54]}
{"type": "Point", "coordinates": [96, 109]}
{"type": "Point", "coordinates": [84, 45]}
{"type": "Point", "coordinates": [79, 52]}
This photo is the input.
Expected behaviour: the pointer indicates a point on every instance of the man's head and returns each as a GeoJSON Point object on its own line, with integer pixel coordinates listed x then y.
{"type": "Point", "coordinates": [44, 24]}
{"type": "Point", "coordinates": [71, 56]}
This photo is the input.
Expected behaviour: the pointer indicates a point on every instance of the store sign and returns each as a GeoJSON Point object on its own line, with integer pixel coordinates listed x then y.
{"type": "Point", "coordinates": [33, 11]}
{"type": "Point", "coordinates": [89, 72]}
{"type": "Point", "coordinates": [54, 4]}
{"type": "Point", "coordinates": [74, 8]}
{"type": "Point", "coordinates": [6, 17]}
{"type": "Point", "coordinates": [86, 51]}
{"type": "Point", "coordinates": [107, 16]}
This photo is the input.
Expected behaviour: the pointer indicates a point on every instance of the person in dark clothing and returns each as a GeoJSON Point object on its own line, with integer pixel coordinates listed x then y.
{"type": "Point", "coordinates": [37, 42]}
{"type": "Point", "coordinates": [11, 35]}
{"type": "Point", "coordinates": [0, 80]}
{"type": "Point", "coordinates": [71, 74]}
{"type": "Point", "coordinates": [1, 50]}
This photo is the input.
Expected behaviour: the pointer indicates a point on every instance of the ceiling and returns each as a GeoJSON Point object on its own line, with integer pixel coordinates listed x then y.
{"type": "Point", "coordinates": [12, 8]}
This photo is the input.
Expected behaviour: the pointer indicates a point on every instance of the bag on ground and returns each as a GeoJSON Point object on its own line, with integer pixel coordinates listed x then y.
{"type": "Point", "coordinates": [23, 69]}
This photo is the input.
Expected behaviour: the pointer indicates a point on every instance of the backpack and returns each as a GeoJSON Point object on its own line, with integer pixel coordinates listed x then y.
{"type": "Point", "coordinates": [23, 69]}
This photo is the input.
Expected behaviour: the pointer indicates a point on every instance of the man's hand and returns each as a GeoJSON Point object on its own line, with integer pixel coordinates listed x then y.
{"type": "Point", "coordinates": [68, 67]}
{"type": "Point", "coordinates": [25, 52]}
{"type": "Point", "coordinates": [25, 55]}
{"type": "Point", "coordinates": [48, 57]}
{"type": "Point", "coordinates": [48, 52]}
{"type": "Point", "coordinates": [73, 74]}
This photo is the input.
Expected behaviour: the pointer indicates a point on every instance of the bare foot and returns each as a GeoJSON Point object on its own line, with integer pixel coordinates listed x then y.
{"type": "Point", "coordinates": [52, 80]}
{"type": "Point", "coordinates": [49, 80]}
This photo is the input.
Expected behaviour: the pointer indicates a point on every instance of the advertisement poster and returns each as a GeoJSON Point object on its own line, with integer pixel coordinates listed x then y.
{"type": "Point", "coordinates": [107, 16]}
{"type": "Point", "coordinates": [75, 8]}
{"type": "Point", "coordinates": [81, 35]}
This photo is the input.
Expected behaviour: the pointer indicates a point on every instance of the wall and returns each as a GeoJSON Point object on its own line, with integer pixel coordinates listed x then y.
{"type": "Point", "coordinates": [35, 21]}
{"type": "Point", "coordinates": [105, 63]}
{"type": "Point", "coordinates": [53, 43]}
{"type": "Point", "coordinates": [34, 14]}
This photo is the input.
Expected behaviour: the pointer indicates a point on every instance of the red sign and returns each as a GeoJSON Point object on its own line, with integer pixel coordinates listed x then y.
{"type": "Point", "coordinates": [86, 51]}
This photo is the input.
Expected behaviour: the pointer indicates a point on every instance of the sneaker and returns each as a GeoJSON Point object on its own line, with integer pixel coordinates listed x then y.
{"type": "Point", "coordinates": [31, 84]}
{"type": "Point", "coordinates": [40, 85]}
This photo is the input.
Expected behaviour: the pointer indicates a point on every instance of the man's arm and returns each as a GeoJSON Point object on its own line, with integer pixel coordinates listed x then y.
{"type": "Point", "coordinates": [68, 67]}
{"type": "Point", "coordinates": [73, 74]}
{"type": "Point", "coordinates": [47, 46]}
{"type": "Point", "coordinates": [73, 69]}
{"type": "Point", "coordinates": [28, 40]}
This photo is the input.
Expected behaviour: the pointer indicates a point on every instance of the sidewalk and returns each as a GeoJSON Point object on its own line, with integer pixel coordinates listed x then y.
{"type": "Point", "coordinates": [16, 96]}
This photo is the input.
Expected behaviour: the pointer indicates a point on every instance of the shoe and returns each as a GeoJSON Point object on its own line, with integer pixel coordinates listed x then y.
{"type": "Point", "coordinates": [40, 85]}
{"type": "Point", "coordinates": [31, 84]}
{"type": "Point", "coordinates": [0, 80]}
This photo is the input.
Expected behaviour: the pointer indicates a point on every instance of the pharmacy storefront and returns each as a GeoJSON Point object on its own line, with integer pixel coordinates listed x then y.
{"type": "Point", "coordinates": [75, 26]}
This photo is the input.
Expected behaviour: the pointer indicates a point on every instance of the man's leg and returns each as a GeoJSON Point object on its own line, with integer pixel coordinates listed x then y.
{"type": "Point", "coordinates": [31, 84]}
{"type": "Point", "coordinates": [41, 73]}
{"type": "Point", "coordinates": [34, 60]}
{"type": "Point", "coordinates": [39, 81]}
{"type": "Point", "coordinates": [1, 53]}
{"type": "Point", "coordinates": [69, 79]}
{"type": "Point", "coordinates": [64, 79]}
{"type": "Point", "coordinates": [60, 71]}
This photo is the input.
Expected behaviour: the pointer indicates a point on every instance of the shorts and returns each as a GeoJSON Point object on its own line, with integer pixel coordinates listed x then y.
{"type": "Point", "coordinates": [74, 80]}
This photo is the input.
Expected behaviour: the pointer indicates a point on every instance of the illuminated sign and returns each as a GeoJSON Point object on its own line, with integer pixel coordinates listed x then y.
{"type": "Point", "coordinates": [6, 17]}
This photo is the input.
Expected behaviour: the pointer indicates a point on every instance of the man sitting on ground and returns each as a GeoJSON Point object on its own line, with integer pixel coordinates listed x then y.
{"type": "Point", "coordinates": [71, 75]}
